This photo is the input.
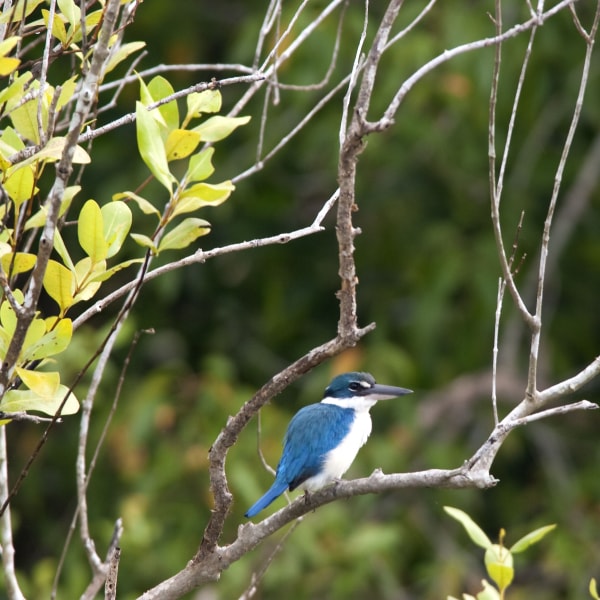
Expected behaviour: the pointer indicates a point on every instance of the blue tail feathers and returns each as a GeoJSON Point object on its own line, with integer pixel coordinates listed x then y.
{"type": "Point", "coordinates": [274, 492]}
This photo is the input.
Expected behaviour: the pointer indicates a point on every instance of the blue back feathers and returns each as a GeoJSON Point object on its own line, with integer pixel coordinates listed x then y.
{"type": "Point", "coordinates": [312, 433]}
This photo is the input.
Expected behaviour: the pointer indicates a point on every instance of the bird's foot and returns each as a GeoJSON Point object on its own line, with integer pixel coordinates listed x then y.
{"type": "Point", "coordinates": [335, 484]}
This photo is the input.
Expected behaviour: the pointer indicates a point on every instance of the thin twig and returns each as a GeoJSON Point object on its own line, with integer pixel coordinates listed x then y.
{"type": "Point", "coordinates": [201, 256]}
{"type": "Point", "coordinates": [536, 334]}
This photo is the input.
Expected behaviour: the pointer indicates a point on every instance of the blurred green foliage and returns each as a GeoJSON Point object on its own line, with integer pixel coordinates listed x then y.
{"type": "Point", "coordinates": [428, 277]}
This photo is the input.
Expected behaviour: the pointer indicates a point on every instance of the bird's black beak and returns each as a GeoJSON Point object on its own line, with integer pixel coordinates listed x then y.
{"type": "Point", "coordinates": [385, 392]}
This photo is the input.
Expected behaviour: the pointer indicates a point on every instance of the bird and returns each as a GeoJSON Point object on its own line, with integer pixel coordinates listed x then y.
{"type": "Point", "coordinates": [323, 439]}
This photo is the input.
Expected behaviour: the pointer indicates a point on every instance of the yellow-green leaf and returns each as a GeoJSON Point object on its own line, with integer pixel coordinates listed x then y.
{"type": "Point", "coordinates": [21, 262]}
{"type": "Point", "coordinates": [216, 128]}
{"type": "Point", "coordinates": [144, 205]}
{"type": "Point", "coordinates": [19, 400]}
{"type": "Point", "coordinates": [531, 538]}
{"type": "Point", "coordinates": [108, 273]}
{"type": "Point", "coordinates": [24, 119]}
{"type": "Point", "coordinates": [499, 565]}
{"type": "Point", "coordinates": [145, 242]}
{"type": "Point", "coordinates": [8, 44]}
{"type": "Point", "coordinates": [59, 31]}
{"type": "Point", "coordinates": [14, 92]}
{"type": "Point", "coordinates": [202, 194]}
{"type": "Point", "coordinates": [181, 143]}
{"type": "Point", "coordinates": [53, 150]}
{"type": "Point", "coordinates": [50, 343]}
{"type": "Point", "coordinates": [91, 20]}
{"type": "Point", "coordinates": [21, 10]}
{"type": "Point", "coordinates": [208, 101]}
{"type": "Point", "coordinates": [473, 530]}
{"type": "Point", "coordinates": [151, 146]}
{"type": "Point", "coordinates": [184, 234]}
{"type": "Point", "coordinates": [117, 223]}
{"type": "Point", "coordinates": [5, 339]}
{"type": "Point", "coordinates": [8, 64]}
{"type": "Point", "coordinates": [61, 249]}
{"type": "Point", "coordinates": [489, 592]}
{"type": "Point", "coordinates": [200, 166]}
{"type": "Point", "coordinates": [43, 383]}
{"type": "Point", "coordinates": [7, 314]}
{"type": "Point", "coordinates": [594, 589]}
{"type": "Point", "coordinates": [85, 272]}
{"type": "Point", "coordinates": [124, 51]}
{"type": "Point", "coordinates": [59, 283]}
{"type": "Point", "coordinates": [158, 89]}
{"type": "Point", "coordinates": [20, 185]}
{"type": "Point", "coordinates": [67, 89]}
{"type": "Point", "coordinates": [70, 11]}
{"type": "Point", "coordinates": [37, 328]}
{"type": "Point", "coordinates": [90, 231]}
{"type": "Point", "coordinates": [39, 218]}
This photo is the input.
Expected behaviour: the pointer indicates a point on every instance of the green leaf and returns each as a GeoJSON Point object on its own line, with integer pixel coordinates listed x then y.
{"type": "Point", "coordinates": [90, 231]}
{"type": "Point", "coordinates": [7, 45]}
{"type": "Point", "coordinates": [52, 152]}
{"type": "Point", "coordinates": [50, 343]}
{"type": "Point", "coordinates": [181, 143]}
{"type": "Point", "coordinates": [21, 262]}
{"type": "Point", "coordinates": [24, 119]}
{"type": "Point", "coordinates": [39, 218]}
{"type": "Point", "coordinates": [59, 31]}
{"type": "Point", "coordinates": [145, 242]}
{"type": "Point", "coordinates": [70, 11]}
{"type": "Point", "coordinates": [117, 220]}
{"type": "Point", "coordinates": [92, 19]}
{"type": "Point", "coordinates": [61, 249]}
{"type": "Point", "coordinates": [499, 564]}
{"type": "Point", "coordinates": [20, 185]}
{"type": "Point", "coordinates": [42, 383]}
{"type": "Point", "coordinates": [19, 400]}
{"type": "Point", "coordinates": [531, 538]}
{"type": "Point", "coordinates": [158, 89]}
{"type": "Point", "coordinates": [216, 128]}
{"type": "Point", "coordinates": [184, 234]}
{"type": "Point", "coordinates": [7, 63]}
{"type": "Point", "coordinates": [35, 331]}
{"type": "Point", "coordinates": [67, 90]}
{"type": "Point", "coordinates": [208, 101]}
{"type": "Point", "coordinates": [14, 92]}
{"type": "Point", "coordinates": [594, 589]}
{"type": "Point", "coordinates": [473, 530]}
{"type": "Point", "coordinates": [144, 205]}
{"type": "Point", "coordinates": [488, 593]}
{"type": "Point", "coordinates": [151, 146]}
{"type": "Point", "coordinates": [202, 194]}
{"type": "Point", "coordinates": [124, 51]}
{"type": "Point", "coordinates": [7, 314]}
{"type": "Point", "coordinates": [85, 272]}
{"type": "Point", "coordinates": [21, 10]}
{"type": "Point", "coordinates": [59, 284]}
{"type": "Point", "coordinates": [108, 273]}
{"type": "Point", "coordinates": [200, 166]}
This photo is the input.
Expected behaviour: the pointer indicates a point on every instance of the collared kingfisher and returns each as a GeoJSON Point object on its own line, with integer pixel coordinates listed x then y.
{"type": "Point", "coordinates": [322, 440]}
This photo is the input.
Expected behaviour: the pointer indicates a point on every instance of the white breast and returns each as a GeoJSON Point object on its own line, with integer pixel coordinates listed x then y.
{"type": "Point", "coordinates": [338, 460]}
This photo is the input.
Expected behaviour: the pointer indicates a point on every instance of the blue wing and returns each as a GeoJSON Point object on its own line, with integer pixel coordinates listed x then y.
{"type": "Point", "coordinates": [312, 433]}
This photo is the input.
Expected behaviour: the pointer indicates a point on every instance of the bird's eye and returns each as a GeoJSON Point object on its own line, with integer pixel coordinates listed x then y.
{"type": "Point", "coordinates": [355, 386]}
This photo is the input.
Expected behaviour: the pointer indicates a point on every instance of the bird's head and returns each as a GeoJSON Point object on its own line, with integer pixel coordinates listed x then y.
{"type": "Point", "coordinates": [354, 386]}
